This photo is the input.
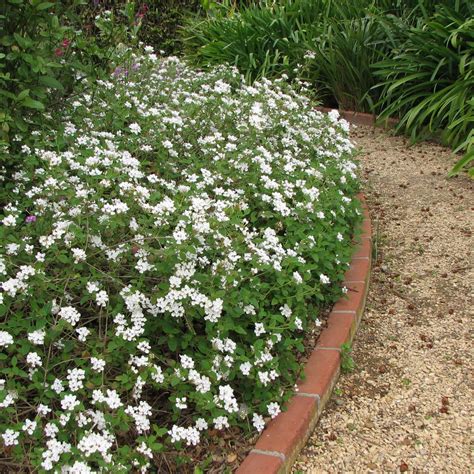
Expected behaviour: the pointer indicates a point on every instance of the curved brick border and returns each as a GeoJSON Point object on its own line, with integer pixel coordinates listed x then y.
{"type": "Point", "coordinates": [284, 437]}
{"type": "Point", "coordinates": [361, 118]}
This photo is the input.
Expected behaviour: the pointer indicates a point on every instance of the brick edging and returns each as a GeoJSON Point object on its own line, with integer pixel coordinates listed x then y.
{"type": "Point", "coordinates": [362, 118]}
{"type": "Point", "coordinates": [282, 440]}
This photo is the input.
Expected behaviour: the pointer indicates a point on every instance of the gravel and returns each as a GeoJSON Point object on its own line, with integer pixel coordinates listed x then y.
{"type": "Point", "coordinates": [407, 406]}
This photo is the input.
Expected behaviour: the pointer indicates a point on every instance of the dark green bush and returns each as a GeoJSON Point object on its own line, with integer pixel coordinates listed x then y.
{"type": "Point", "coordinates": [429, 79]}
{"type": "Point", "coordinates": [269, 39]}
{"type": "Point", "coordinates": [340, 64]}
{"type": "Point", "coordinates": [46, 51]}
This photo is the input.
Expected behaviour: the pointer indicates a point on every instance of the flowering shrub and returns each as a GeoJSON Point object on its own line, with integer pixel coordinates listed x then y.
{"type": "Point", "coordinates": [46, 51]}
{"type": "Point", "coordinates": [163, 254]}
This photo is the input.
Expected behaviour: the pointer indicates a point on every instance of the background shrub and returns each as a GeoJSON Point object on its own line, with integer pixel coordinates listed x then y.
{"type": "Point", "coordinates": [46, 53]}
{"type": "Point", "coordinates": [428, 81]}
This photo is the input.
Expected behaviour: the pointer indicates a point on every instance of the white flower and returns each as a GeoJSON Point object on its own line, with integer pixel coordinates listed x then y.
{"type": "Point", "coordinates": [82, 334]}
{"type": "Point", "coordinates": [57, 386]}
{"type": "Point", "coordinates": [96, 443]}
{"type": "Point", "coordinates": [37, 337]}
{"type": "Point", "coordinates": [157, 375]}
{"type": "Point", "coordinates": [69, 402]}
{"type": "Point", "coordinates": [191, 435]}
{"type": "Point", "coordinates": [92, 286]}
{"type": "Point", "coordinates": [135, 128]}
{"type": "Point", "coordinates": [299, 324]}
{"type": "Point", "coordinates": [78, 467]}
{"type": "Point", "coordinates": [259, 329]}
{"type": "Point", "coordinates": [33, 359]}
{"type": "Point", "coordinates": [264, 378]}
{"type": "Point", "coordinates": [79, 255]}
{"type": "Point", "coordinates": [10, 437]}
{"type": "Point", "coordinates": [201, 424]}
{"type": "Point", "coordinates": [113, 399]}
{"type": "Point", "coordinates": [226, 399]}
{"type": "Point", "coordinates": [102, 298]}
{"type": "Point", "coordinates": [70, 314]}
{"type": "Point", "coordinates": [273, 409]}
{"type": "Point", "coordinates": [324, 279]}
{"type": "Point", "coordinates": [181, 403]}
{"type": "Point", "coordinates": [297, 277]}
{"type": "Point", "coordinates": [75, 378]}
{"type": "Point", "coordinates": [5, 339]}
{"type": "Point", "coordinates": [186, 362]}
{"type": "Point", "coordinates": [9, 221]}
{"type": "Point", "coordinates": [43, 410]}
{"type": "Point", "coordinates": [258, 422]}
{"type": "Point", "coordinates": [245, 368]}
{"type": "Point", "coordinates": [97, 364]}
{"type": "Point", "coordinates": [29, 426]}
{"type": "Point", "coordinates": [286, 311]}
{"type": "Point", "coordinates": [221, 422]}
{"type": "Point", "coordinates": [51, 430]}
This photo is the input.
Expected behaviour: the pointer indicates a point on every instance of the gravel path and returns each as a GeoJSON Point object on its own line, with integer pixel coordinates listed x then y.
{"type": "Point", "coordinates": [407, 406]}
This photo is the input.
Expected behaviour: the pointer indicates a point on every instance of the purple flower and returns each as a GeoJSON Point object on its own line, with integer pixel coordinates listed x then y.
{"type": "Point", "coordinates": [30, 219]}
{"type": "Point", "coordinates": [135, 66]}
{"type": "Point", "coordinates": [118, 71]}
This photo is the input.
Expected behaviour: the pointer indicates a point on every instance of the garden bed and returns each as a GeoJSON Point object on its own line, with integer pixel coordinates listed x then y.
{"type": "Point", "coordinates": [165, 251]}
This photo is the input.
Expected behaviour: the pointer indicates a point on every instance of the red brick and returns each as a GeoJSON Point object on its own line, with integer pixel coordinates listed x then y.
{"type": "Point", "coordinates": [366, 228]}
{"type": "Point", "coordinates": [365, 211]}
{"type": "Point", "coordinates": [320, 371]}
{"type": "Point", "coordinates": [358, 271]}
{"type": "Point", "coordinates": [358, 118]}
{"type": "Point", "coordinates": [364, 249]}
{"type": "Point", "coordinates": [289, 429]}
{"type": "Point", "coordinates": [353, 300]}
{"type": "Point", "coordinates": [340, 328]}
{"type": "Point", "coordinates": [256, 463]}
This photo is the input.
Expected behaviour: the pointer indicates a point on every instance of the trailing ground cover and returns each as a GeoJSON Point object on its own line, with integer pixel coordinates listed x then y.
{"type": "Point", "coordinates": [163, 251]}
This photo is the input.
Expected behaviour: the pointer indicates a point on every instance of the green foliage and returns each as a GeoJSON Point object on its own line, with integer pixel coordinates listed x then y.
{"type": "Point", "coordinates": [341, 59]}
{"type": "Point", "coordinates": [343, 39]}
{"type": "Point", "coordinates": [45, 54]}
{"type": "Point", "coordinates": [428, 81]}
{"type": "Point", "coordinates": [347, 362]}
{"type": "Point", "coordinates": [259, 40]}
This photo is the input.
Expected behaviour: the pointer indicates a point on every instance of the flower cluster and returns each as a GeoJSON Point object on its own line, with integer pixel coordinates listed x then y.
{"type": "Point", "coordinates": [187, 228]}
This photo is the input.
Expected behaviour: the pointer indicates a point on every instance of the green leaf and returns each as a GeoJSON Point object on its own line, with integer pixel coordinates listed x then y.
{"type": "Point", "coordinates": [32, 104]}
{"type": "Point", "coordinates": [63, 258]}
{"type": "Point", "coordinates": [45, 5]}
{"type": "Point", "coordinates": [50, 81]}
{"type": "Point", "coordinates": [23, 94]}
{"type": "Point", "coordinates": [463, 162]}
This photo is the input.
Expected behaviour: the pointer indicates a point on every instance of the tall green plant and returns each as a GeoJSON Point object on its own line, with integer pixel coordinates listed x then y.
{"type": "Point", "coordinates": [266, 38]}
{"type": "Point", "coordinates": [343, 55]}
{"type": "Point", "coordinates": [429, 81]}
